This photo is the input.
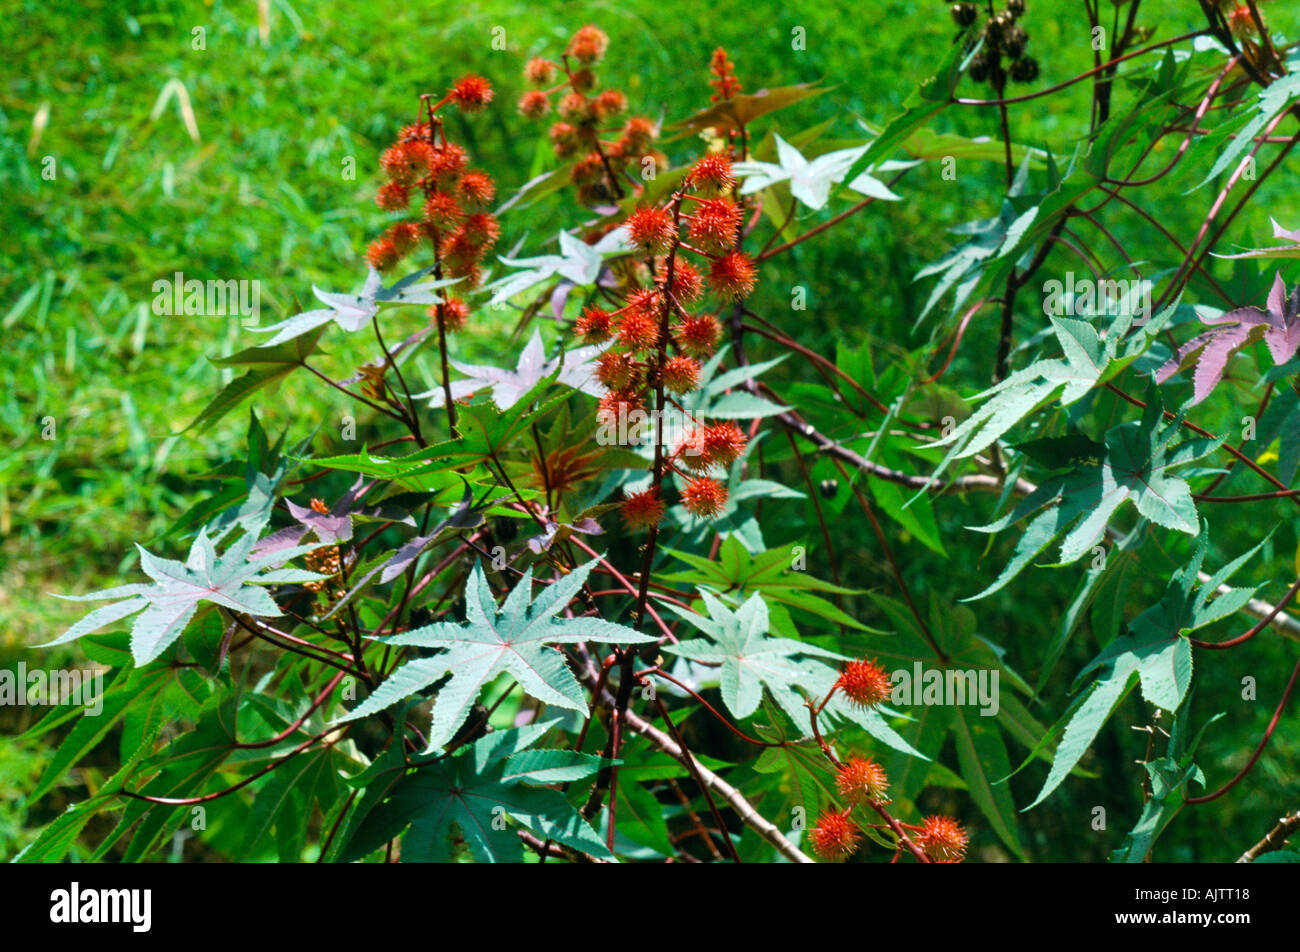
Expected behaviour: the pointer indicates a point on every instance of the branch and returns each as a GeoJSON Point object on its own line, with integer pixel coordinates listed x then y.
{"type": "Point", "coordinates": [1275, 840]}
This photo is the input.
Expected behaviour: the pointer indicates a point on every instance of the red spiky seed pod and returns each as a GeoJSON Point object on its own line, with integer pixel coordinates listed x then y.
{"type": "Point", "coordinates": [687, 283]}
{"type": "Point", "coordinates": [404, 236]}
{"type": "Point", "coordinates": [588, 170]}
{"type": "Point", "coordinates": [441, 210]}
{"type": "Point", "coordinates": [723, 443]}
{"type": "Point", "coordinates": [861, 778]}
{"type": "Point", "coordinates": [582, 80]}
{"type": "Point", "coordinates": [835, 836]}
{"type": "Point", "coordinates": [476, 188]}
{"type": "Point", "coordinates": [638, 133]}
{"type": "Point", "coordinates": [691, 452]}
{"type": "Point", "coordinates": [642, 510]}
{"type": "Point", "coordinates": [651, 229]}
{"type": "Point", "coordinates": [594, 325]}
{"type": "Point", "coordinates": [638, 330]}
{"type": "Point", "coordinates": [617, 371]}
{"type": "Point", "coordinates": [471, 93]}
{"type": "Point", "coordinates": [618, 404]}
{"type": "Point", "coordinates": [393, 197]}
{"type": "Point", "coordinates": [733, 275]}
{"type": "Point", "coordinates": [698, 335]}
{"type": "Point", "coordinates": [609, 104]}
{"type": "Point", "coordinates": [382, 254]}
{"type": "Point", "coordinates": [564, 139]}
{"type": "Point", "coordinates": [407, 162]}
{"type": "Point", "coordinates": [704, 497]}
{"type": "Point", "coordinates": [942, 839]}
{"type": "Point", "coordinates": [712, 174]}
{"type": "Point", "coordinates": [573, 108]}
{"type": "Point", "coordinates": [447, 164]}
{"type": "Point", "coordinates": [681, 375]}
{"type": "Point", "coordinates": [455, 313]}
{"type": "Point", "coordinates": [588, 44]}
{"type": "Point", "coordinates": [540, 71]}
{"type": "Point", "coordinates": [481, 231]}
{"type": "Point", "coordinates": [715, 224]}
{"type": "Point", "coordinates": [864, 683]}
{"type": "Point", "coordinates": [534, 104]}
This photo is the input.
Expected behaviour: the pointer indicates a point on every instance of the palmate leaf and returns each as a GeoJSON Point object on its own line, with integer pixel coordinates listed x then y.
{"type": "Point", "coordinates": [1081, 501]}
{"type": "Point", "coordinates": [753, 663]}
{"type": "Point", "coordinates": [1154, 652]}
{"type": "Point", "coordinates": [575, 369]}
{"type": "Point", "coordinates": [744, 108]}
{"type": "Point", "coordinates": [1278, 327]}
{"type": "Point", "coordinates": [514, 639]}
{"type": "Point", "coordinates": [166, 605]}
{"type": "Point", "coordinates": [811, 180]}
{"type": "Point", "coordinates": [351, 312]}
{"type": "Point", "coordinates": [1291, 250]}
{"type": "Point", "coordinates": [577, 262]}
{"type": "Point", "coordinates": [1089, 361]}
{"type": "Point", "coordinates": [473, 792]}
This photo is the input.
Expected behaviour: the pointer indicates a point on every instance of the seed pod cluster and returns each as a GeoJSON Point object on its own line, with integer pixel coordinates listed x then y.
{"type": "Point", "coordinates": [1001, 54]}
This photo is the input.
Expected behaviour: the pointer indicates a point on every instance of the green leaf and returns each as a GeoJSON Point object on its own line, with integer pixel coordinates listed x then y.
{"type": "Point", "coordinates": [514, 639]}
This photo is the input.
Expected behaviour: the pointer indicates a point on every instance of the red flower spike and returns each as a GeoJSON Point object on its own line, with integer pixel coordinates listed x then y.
{"type": "Point", "coordinates": [651, 229]}
{"type": "Point", "coordinates": [588, 44]}
{"type": "Point", "coordinates": [681, 375]}
{"type": "Point", "coordinates": [726, 83]}
{"type": "Point", "coordinates": [861, 778]}
{"type": "Point", "coordinates": [471, 93]}
{"type": "Point", "coordinates": [733, 276]}
{"type": "Point", "coordinates": [835, 836]}
{"type": "Point", "coordinates": [865, 683]}
{"type": "Point", "coordinates": [942, 839]}
{"type": "Point", "coordinates": [704, 497]}
{"type": "Point", "coordinates": [642, 510]}
{"type": "Point", "coordinates": [594, 325]}
{"type": "Point", "coordinates": [534, 104]}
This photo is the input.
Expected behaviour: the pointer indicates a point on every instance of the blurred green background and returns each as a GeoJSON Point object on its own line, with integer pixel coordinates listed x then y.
{"type": "Point", "coordinates": [103, 89]}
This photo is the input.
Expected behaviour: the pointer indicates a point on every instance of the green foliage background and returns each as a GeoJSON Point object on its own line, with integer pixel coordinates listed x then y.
{"type": "Point", "coordinates": [261, 196]}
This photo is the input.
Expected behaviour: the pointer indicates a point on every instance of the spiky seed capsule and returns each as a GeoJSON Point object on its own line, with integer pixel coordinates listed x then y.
{"type": "Point", "coordinates": [471, 93]}
{"type": "Point", "coordinates": [407, 162]}
{"type": "Point", "coordinates": [638, 331]}
{"type": "Point", "coordinates": [723, 443]}
{"type": "Point", "coordinates": [681, 375]}
{"type": "Point", "coordinates": [979, 67]}
{"type": "Point", "coordinates": [704, 497]}
{"type": "Point", "coordinates": [698, 335]}
{"type": "Point", "coordinates": [733, 275]}
{"type": "Point", "coordinates": [617, 371]}
{"type": "Point", "coordinates": [393, 197]}
{"type": "Point", "coordinates": [651, 229]}
{"type": "Point", "coordinates": [404, 236]}
{"type": "Point", "coordinates": [964, 14]}
{"type": "Point", "coordinates": [712, 174]}
{"type": "Point", "coordinates": [539, 71]}
{"type": "Point", "coordinates": [534, 104]}
{"type": "Point", "coordinates": [573, 108]}
{"type": "Point", "coordinates": [942, 839]}
{"type": "Point", "coordinates": [861, 778]}
{"type": "Point", "coordinates": [835, 836]}
{"type": "Point", "coordinates": [1016, 7]}
{"type": "Point", "coordinates": [687, 283]}
{"type": "Point", "coordinates": [595, 325]}
{"type": "Point", "coordinates": [588, 44]}
{"type": "Point", "coordinates": [609, 104]}
{"type": "Point", "coordinates": [638, 134]}
{"type": "Point", "coordinates": [382, 254]}
{"type": "Point", "coordinates": [864, 683]}
{"type": "Point", "coordinates": [642, 510]}
{"type": "Point", "coordinates": [715, 224]}
{"type": "Point", "coordinates": [476, 188]}
{"type": "Point", "coordinates": [1014, 42]}
{"type": "Point", "coordinates": [1025, 69]}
